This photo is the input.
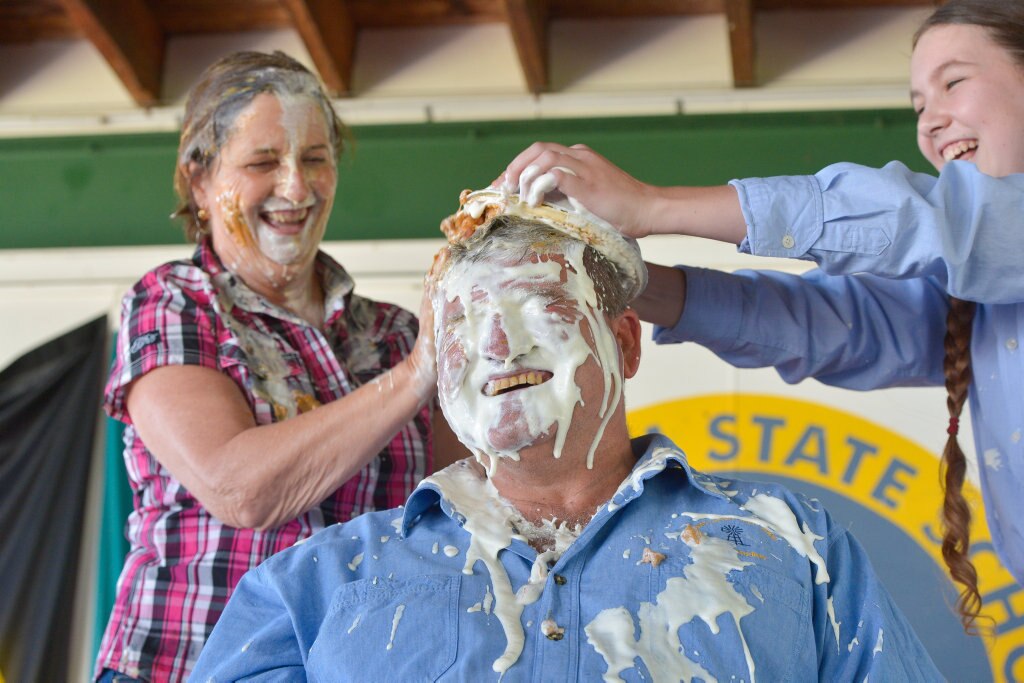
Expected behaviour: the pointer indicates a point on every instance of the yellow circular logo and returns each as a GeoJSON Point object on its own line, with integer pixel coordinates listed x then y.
{"type": "Point", "coordinates": [875, 468]}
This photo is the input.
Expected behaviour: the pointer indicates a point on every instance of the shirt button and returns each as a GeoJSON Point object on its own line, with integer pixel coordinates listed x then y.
{"type": "Point", "coordinates": [788, 242]}
{"type": "Point", "coordinates": [1011, 344]}
{"type": "Point", "coordinates": [1015, 437]}
{"type": "Point", "coordinates": [559, 579]}
{"type": "Point", "coordinates": [551, 630]}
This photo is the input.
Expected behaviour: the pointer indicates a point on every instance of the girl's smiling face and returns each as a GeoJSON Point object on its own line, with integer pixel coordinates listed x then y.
{"type": "Point", "coordinates": [270, 191]}
{"type": "Point", "coordinates": [968, 92]}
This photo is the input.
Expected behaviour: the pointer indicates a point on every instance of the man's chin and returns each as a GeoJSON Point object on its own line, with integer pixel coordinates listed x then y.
{"type": "Point", "coordinates": [515, 437]}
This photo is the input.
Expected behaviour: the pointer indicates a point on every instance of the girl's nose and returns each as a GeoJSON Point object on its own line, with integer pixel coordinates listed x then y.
{"type": "Point", "coordinates": [932, 120]}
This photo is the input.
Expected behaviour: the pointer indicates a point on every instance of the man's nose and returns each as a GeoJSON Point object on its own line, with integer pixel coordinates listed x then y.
{"type": "Point", "coordinates": [495, 345]}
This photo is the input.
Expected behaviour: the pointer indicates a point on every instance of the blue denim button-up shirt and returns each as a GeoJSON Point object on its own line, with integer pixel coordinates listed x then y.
{"type": "Point", "coordinates": [681, 574]}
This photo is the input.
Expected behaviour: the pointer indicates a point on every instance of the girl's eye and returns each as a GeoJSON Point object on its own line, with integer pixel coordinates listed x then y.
{"type": "Point", "coordinates": [952, 83]}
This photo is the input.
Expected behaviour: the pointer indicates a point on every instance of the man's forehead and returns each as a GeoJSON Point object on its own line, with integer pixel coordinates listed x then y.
{"type": "Point", "coordinates": [486, 278]}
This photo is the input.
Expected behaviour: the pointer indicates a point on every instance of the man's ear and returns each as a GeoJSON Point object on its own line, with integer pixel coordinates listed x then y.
{"type": "Point", "coordinates": [627, 332]}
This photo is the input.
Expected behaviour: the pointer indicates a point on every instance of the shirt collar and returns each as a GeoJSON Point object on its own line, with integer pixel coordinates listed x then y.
{"type": "Point", "coordinates": [656, 452]}
{"type": "Point", "coordinates": [335, 280]}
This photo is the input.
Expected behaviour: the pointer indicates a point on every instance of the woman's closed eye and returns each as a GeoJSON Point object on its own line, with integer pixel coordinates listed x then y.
{"type": "Point", "coordinates": [263, 166]}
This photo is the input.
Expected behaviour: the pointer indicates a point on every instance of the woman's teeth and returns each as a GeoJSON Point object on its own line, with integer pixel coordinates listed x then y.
{"type": "Point", "coordinates": [498, 386]}
{"type": "Point", "coordinates": [288, 216]}
{"type": "Point", "coordinates": [956, 149]}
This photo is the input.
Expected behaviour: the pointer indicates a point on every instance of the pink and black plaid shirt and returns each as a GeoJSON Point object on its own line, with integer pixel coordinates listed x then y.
{"type": "Point", "coordinates": [184, 563]}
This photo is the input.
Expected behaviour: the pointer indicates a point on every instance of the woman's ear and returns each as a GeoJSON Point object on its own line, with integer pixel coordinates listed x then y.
{"type": "Point", "coordinates": [196, 175]}
{"type": "Point", "coordinates": [627, 332]}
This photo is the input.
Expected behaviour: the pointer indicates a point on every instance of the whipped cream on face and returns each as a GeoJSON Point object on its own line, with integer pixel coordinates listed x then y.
{"type": "Point", "coordinates": [543, 347]}
{"type": "Point", "coordinates": [289, 246]}
{"type": "Point", "coordinates": [284, 247]}
{"type": "Point", "coordinates": [276, 216]}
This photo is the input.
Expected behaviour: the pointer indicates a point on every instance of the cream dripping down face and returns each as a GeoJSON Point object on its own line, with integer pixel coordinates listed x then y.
{"type": "Point", "coordinates": [521, 345]}
{"type": "Point", "coordinates": [270, 191]}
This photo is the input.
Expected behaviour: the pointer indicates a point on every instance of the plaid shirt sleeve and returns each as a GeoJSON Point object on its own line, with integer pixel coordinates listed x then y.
{"type": "Point", "coordinates": [165, 320]}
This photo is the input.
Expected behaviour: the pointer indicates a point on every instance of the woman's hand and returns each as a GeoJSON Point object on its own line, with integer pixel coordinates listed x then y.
{"type": "Point", "coordinates": [423, 358]}
{"type": "Point", "coordinates": [584, 177]}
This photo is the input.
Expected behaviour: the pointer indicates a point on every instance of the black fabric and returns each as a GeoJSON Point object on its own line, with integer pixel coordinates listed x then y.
{"type": "Point", "coordinates": [49, 403]}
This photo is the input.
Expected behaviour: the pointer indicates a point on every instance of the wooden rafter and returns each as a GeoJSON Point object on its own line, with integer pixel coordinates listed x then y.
{"type": "Point", "coordinates": [326, 28]}
{"type": "Point", "coordinates": [528, 22]}
{"type": "Point", "coordinates": [740, 16]}
{"type": "Point", "coordinates": [128, 36]}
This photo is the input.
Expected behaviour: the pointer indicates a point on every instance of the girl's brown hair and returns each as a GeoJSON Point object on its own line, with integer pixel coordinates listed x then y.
{"type": "Point", "coordinates": [224, 89]}
{"type": "Point", "coordinates": [1004, 22]}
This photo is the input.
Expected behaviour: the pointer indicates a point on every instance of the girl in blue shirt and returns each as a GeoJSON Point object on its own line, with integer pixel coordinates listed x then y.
{"type": "Point", "coordinates": [919, 279]}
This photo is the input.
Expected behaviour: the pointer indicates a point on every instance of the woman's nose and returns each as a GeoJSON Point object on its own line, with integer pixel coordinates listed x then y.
{"type": "Point", "coordinates": [293, 184]}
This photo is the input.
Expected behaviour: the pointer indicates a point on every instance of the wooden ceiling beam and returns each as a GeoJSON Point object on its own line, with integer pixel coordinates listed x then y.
{"type": "Point", "coordinates": [842, 4]}
{"type": "Point", "coordinates": [127, 35]}
{"type": "Point", "coordinates": [739, 15]}
{"type": "Point", "coordinates": [220, 16]}
{"type": "Point", "coordinates": [22, 22]}
{"type": "Point", "coordinates": [528, 22]}
{"type": "Point", "coordinates": [327, 29]}
{"type": "Point", "coordinates": [404, 13]}
{"type": "Point", "coordinates": [631, 9]}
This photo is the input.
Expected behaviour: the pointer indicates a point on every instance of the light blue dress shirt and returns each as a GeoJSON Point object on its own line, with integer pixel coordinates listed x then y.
{"type": "Point", "coordinates": [384, 597]}
{"type": "Point", "coordinates": [900, 241]}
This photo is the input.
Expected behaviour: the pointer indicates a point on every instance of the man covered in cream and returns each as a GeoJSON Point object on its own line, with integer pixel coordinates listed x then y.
{"type": "Point", "coordinates": [564, 550]}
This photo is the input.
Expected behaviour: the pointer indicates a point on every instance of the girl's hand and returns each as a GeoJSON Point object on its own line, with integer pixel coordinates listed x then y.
{"type": "Point", "coordinates": [584, 177]}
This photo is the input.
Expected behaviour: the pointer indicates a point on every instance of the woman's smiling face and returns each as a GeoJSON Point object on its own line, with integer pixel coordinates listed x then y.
{"type": "Point", "coordinates": [270, 190]}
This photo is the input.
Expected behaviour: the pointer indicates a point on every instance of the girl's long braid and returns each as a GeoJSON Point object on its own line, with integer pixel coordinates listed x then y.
{"type": "Point", "coordinates": [1004, 23]}
{"type": "Point", "coordinates": [956, 513]}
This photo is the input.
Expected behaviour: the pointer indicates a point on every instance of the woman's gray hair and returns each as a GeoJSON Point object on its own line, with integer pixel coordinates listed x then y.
{"type": "Point", "coordinates": [223, 91]}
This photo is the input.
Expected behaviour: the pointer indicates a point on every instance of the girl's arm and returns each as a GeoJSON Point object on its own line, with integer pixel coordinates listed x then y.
{"type": "Point", "coordinates": [859, 332]}
{"type": "Point", "coordinates": [963, 228]}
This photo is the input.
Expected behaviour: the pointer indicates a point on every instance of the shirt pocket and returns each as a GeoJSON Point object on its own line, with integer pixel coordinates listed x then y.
{"type": "Point", "coordinates": [774, 632]}
{"type": "Point", "coordinates": [381, 630]}
{"type": "Point", "coordinates": [778, 632]}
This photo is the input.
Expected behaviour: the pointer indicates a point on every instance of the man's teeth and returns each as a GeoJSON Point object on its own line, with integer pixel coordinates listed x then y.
{"type": "Point", "coordinates": [288, 216]}
{"type": "Point", "coordinates": [957, 148]}
{"type": "Point", "coordinates": [495, 387]}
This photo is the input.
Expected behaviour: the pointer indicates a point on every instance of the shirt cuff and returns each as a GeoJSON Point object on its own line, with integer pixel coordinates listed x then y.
{"type": "Point", "coordinates": [783, 215]}
{"type": "Point", "coordinates": [712, 312]}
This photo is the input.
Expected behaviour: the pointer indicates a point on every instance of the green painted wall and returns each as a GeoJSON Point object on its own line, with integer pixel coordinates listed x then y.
{"type": "Point", "coordinates": [399, 181]}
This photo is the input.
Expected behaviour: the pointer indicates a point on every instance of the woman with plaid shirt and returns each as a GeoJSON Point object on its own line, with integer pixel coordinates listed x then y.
{"type": "Point", "coordinates": [263, 399]}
